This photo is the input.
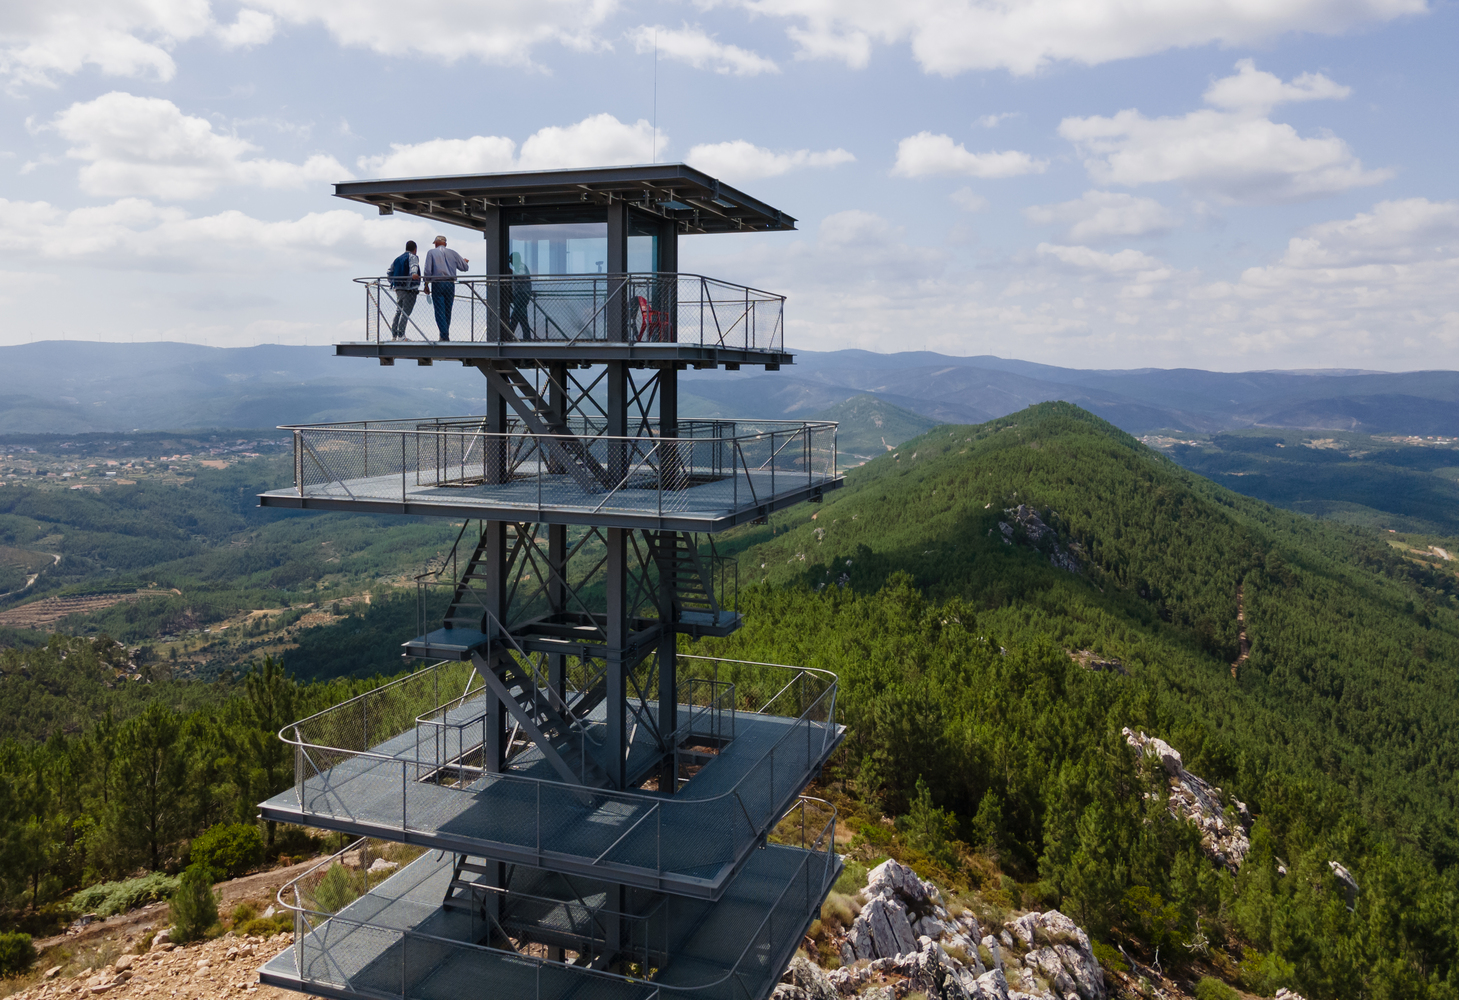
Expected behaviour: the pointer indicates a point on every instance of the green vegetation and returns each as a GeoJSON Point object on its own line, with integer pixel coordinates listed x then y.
{"type": "Point", "coordinates": [1406, 483]}
{"type": "Point", "coordinates": [16, 953]}
{"type": "Point", "coordinates": [974, 717]}
{"type": "Point", "coordinates": [954, 652]}
{"type": "Point", "coordinates": [869, 427]}
{"type": "Point", "coordinates": [194, 908]}
{"type": "Point", "coordinates": [123, 794]}
{"type": "Point", "coordinates": [109, 898]}
{"type": "Point", "coordinates": [228, 849]}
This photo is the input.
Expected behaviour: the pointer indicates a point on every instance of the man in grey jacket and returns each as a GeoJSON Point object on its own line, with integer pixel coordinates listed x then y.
{"type": "Point", "coordinates": [440, 269]}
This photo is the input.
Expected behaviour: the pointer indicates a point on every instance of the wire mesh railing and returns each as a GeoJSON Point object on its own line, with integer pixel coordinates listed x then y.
{"type": "Point", "coordinates": [574, 309]}
{"type": "Point", "coordinates": [352, 934]}
{"type": "Point", "coordinates": [388, 760]}
{"type": "Point", "coordinates": [432, 460]}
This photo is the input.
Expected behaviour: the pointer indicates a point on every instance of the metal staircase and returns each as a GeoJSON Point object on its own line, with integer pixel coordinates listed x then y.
{"type": "Point", "coordinates": [542, 419]}
{"type": "Point", "coordinates": [689, 578]}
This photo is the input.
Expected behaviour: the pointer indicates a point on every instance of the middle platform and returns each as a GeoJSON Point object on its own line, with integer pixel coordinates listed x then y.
{"type": "Point", "coordinates": [713, 475]}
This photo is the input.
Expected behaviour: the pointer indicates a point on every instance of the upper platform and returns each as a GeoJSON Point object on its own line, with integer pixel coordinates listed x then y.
{"type": "Point", "coordinates": [674, 192]}
{"type": "Point", "coordinates": [644, 317]}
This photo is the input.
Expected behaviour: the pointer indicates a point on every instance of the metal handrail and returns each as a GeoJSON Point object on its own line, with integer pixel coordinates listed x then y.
{"type": "Point", "coordinates": [571, 308]}
{"type": "Point", "coordinates": [300, 744]}
{"type": "Point", "coordinates": [815, 849]}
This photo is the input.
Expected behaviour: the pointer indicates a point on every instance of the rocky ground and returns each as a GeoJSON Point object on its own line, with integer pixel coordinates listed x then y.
{"type": "Point", "coordinates": [206, 970]}
{"type": "Point", "coordinates": [103, 957]}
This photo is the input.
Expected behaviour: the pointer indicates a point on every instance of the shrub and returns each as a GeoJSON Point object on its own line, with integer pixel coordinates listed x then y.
{"type": "Point", "coordinates": [194, 907]}
{"type": "Point", "coordinates": [336, 890]}
{"type": "Point", "coordinates": [16, 953]}
{"type": "Point", "coordinates": [109, 898]}
{"type": "Point", "coordinates": [228, 848]}
{"type": "Point", "coordinates": [243, 913]}
{"type": "Point", "coordinates": [853, 878]}
{"type": "Point", "coordinates": [266, 926]}
{"type": "Point", "coordinates": [837, 911]}
{"type": "Point", "coordinates": [1108, 957]}
{"type": "Point", "coordinates": [1214, 989]}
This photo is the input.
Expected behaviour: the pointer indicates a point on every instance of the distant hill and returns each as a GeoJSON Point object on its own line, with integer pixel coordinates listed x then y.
{"type": "Point", "coordinates": [72, 387]}
{"type": "Point", "coordinates": [868, 427]}
{"type": "Point", "coordinates": [1001, 600]}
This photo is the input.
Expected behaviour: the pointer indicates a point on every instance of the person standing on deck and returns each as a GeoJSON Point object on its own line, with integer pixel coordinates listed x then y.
{"type": "Point", "coordinates": [405, 283]}
{"type": "Point", "coordinates": [442, 263]}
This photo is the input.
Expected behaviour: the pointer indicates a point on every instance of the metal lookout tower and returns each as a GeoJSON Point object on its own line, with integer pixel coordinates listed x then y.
{"type": "Point", "coordinates": [564, 803]}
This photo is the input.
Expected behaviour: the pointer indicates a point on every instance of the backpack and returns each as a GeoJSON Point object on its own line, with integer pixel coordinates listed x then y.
{"type": "Point", "coordinates": [400, 268]}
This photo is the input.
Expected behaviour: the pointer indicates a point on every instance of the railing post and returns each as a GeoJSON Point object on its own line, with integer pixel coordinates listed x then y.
{"type": "Point", "coordinates": [402, 467]}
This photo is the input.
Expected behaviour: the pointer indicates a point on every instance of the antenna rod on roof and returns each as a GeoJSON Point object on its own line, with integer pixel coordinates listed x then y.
{"type": "Point", "coordinates": [655, 97]}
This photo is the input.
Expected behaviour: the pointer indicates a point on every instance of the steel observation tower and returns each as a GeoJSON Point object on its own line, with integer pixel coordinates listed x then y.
{"type": "Point", "coordinates": [573, 805]}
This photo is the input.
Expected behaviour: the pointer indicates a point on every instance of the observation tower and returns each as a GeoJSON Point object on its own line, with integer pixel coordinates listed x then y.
{"type": "Point", "coordinates": [571, 804]}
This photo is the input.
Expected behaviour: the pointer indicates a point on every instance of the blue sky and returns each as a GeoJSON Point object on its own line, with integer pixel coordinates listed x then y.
{"type": "Point", "coordinates": [1083, 182]}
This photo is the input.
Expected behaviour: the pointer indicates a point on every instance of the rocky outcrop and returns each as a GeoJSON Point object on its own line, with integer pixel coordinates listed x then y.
{"type": "Point", "coordinates": [1223, 835]}
{"type": "Point", "coordinates": [1035, 530]}
{"type": "Point", "coordinates": [1037, 956]}
{"type": "Point", "coordinates": [900, 908]}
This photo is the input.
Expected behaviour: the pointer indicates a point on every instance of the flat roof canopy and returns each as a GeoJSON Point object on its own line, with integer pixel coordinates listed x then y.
{"type": "Point", "coordinates": [695, 201]}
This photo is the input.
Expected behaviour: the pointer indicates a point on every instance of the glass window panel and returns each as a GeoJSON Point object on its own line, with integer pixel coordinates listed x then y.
{"type": "Point", "coordinates": [561, 248]}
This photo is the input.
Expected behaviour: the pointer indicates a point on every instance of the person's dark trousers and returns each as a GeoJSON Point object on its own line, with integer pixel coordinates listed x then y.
{"type": "Point", "coordinates": [518, 316]}
{"type": "Point", "coordinates": [443, 297]}
{"type": "Point", "coordinates": [404, 304]}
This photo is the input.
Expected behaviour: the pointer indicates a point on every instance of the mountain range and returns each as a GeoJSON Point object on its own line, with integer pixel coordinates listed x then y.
{"type": "Point", "coordinates": [72, 387]}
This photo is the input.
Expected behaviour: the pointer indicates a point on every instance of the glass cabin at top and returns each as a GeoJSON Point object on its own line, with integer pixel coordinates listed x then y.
{"type": "Point", "coordinates": [583, 257]}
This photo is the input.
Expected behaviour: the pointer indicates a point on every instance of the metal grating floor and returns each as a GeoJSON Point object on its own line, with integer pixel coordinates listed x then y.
{"type": "Point", "coordinates": [690, 843]}
{"type": "Point", "coordinates": [397, 941]}
{"type": "Point", "coordinates": [551, 497]}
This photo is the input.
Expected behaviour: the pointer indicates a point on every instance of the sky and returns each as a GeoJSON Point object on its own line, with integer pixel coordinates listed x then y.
{"type": "Point", "coordinates": [1219, 184]}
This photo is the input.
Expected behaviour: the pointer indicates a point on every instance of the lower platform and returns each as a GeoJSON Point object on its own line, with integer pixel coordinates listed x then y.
{"type": "Point", "coordinates": [690, 843]}
{"type": "Point", "coordinates": [398, 940]}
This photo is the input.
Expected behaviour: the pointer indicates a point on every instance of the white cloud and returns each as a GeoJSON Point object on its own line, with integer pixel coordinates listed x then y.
{"type": "Point", "coordinates": [1393, 233]}
{"type": "Point", "coordinates": [1101, 215]}
{"type": "Point", "coordinates": [1252, 89]}
{"type": "Point", "coordinates": [39, 41]}
{"type": "Point", "coordinates": [700, 50]}
{"type": "Point", "coordinates": [1235, 155]}
{"type": "Point", "coordinates": [596, 141]}
{"type": "Point", "coordinates": [992, 121]}
{"type": "Point", "coordinates": [136, 233]}
{"type": "Point", "coordinates": [1023, 37]}
{"type": "Point", "coordinates": [969, 200]}
{"type": "Point", "coordinates": [1123, 262]}
{"type": "Point", "coordinates": [251, 28]}
{"type": "Point", "coordinates": [481, 154]}
{"type": "Point", "coordinates": [501, 32]}
{"type": "Point", "coordinates": [926, 154]}
{"type": "Point", "coordinates": [743, 161]}
{"type": "Point", "coordinates": [147, 146]}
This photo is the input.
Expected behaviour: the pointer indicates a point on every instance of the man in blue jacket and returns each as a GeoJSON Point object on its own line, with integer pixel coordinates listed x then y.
{"type": "Point", "coordinates": [440, 269]}
{"type": "Point", "coordinates": [405, 283]}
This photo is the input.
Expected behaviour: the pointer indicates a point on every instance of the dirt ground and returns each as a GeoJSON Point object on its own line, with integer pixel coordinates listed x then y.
{"type": "Point", "coordinates": [39, 614]}
{"type": "Point", "coordinates": [85, 961]}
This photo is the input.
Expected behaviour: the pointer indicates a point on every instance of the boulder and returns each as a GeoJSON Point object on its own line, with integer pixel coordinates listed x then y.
{"type": "Point", "coordinates": [992, 986]}
{"type": "Point", "coordinates": [124, 963]}
{"type": "Point", "coordinates": [893, 878]}
{"type": "Point", "coordinates": [809, 982]}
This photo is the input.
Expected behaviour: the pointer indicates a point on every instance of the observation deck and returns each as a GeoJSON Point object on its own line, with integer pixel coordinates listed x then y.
{"type": "Point", "coordinates": [715, 475]}
{"type": "Point", "coordinates": [646, 319]}
{"type": "Point", "coordinates": [403, 763]}
{"type": "Point", "coordinates": [397, 939]}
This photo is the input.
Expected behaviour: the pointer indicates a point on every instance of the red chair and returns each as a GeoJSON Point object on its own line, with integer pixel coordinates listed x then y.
{"type": "Point", "coordinates": [653, 324]}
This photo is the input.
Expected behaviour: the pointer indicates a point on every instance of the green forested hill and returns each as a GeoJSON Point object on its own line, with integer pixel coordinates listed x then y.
{"type": "Point", "coordinates": [1339, 730]}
